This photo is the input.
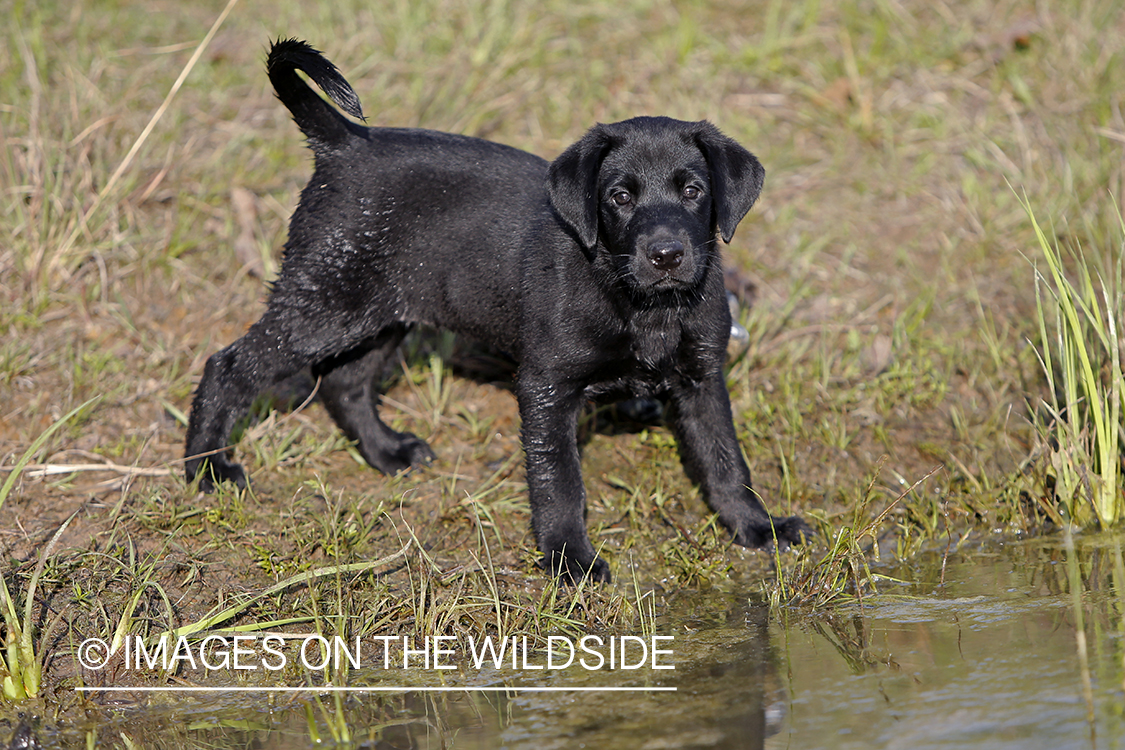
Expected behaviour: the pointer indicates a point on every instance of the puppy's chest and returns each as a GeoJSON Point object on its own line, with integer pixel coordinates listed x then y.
{"type": "Point", "coordinates": [644, 359]}
{"type": "Point", "coordinates": [655, 346]}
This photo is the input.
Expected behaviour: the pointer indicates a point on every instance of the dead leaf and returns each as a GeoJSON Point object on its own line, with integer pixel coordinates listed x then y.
{"type": "Point", "coordinates": [1018, 34]}
{"type": "Point", "coordinates": [1015, 36]}
{"type": "Point", "coordinates": [838, 94]}
{"type": "Point", "coordinates": [877, 356]}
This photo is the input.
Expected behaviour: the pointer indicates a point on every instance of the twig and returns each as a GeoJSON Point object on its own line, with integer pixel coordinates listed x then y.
{"type": "Point", "coordinates": [46, 470]}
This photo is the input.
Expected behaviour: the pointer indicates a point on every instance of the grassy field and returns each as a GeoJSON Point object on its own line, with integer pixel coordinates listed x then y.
{"type": "Point", "coordinates": [895, 326]}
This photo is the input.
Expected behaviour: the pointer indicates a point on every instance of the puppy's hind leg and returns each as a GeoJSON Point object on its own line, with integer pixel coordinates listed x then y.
{"type": "Point", "coordinates": [231, 381]}
{"type": "Point", "coordinates": [349, 389]}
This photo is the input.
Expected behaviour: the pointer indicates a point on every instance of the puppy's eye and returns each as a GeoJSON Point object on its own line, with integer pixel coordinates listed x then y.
{"type": "Point", "coordinates": [691, 192]}
{"type": "Point", "coordinates": [621, 198]}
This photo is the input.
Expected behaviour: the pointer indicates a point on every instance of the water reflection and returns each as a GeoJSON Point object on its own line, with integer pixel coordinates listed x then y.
{"type": "Point", "coordinates": [728, 691]}
{"type": "Point", "coordinates": [728, 696]}
{"type": "Point", "coordinates": [975, 651]}
{"type": "Point", "coordinates": [985, 659]}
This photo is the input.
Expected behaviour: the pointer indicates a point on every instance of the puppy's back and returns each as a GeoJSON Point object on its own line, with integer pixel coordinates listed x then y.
{"type": "Point", "coordinates": [419, 226]}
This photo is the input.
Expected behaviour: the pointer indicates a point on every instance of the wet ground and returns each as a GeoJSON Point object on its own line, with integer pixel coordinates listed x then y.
{"type": "Point", "coordinates": [976, 649]}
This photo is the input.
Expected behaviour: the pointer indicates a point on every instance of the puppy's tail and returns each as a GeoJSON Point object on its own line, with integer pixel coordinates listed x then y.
{"type": "Point", "coordinates": [322, 124]}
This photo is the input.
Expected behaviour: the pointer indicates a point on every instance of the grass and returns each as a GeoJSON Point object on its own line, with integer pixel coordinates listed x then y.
{"type": "Point", "coordinates": [1083, 364]}
{"type": "Point", "coordinates": [17, 469]}
{"type": "Point", "coordinates": [23, 665]}
{"type": "Point", "coordinates": [842, 574]}
{"type": "Point", "coordinates": [889, 333]}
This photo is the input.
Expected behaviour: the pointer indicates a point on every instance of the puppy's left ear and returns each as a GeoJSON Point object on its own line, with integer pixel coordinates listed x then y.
{"type": "Point", "coordinates": [572, 184]}
{"type": "Point", "coordinates": [736, 177]}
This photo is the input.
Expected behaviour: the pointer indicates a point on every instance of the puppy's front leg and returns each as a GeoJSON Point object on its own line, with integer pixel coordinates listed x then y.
{"type": "Point", "coordinates": [705, 428]}
{"type": "Point", "coordinates": [549, 415]}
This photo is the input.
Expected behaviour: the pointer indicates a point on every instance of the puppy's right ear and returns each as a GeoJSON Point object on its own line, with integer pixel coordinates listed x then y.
{"type": "Point", "coordinates": [572, 184]}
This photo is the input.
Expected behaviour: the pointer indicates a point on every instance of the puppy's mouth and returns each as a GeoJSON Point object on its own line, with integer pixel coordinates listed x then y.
{"type": "Point", "coordinates": [668, 281]}
{"type": "Point", "coordinates": [650, 284]}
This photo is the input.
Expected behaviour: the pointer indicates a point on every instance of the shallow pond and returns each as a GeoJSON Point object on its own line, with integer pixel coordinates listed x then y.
{"type": "Point", "coordinates": [973, 650]}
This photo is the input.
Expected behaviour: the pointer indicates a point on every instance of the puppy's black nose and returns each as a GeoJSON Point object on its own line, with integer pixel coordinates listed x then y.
{"type": "Point", "coordinates": [666, 255]}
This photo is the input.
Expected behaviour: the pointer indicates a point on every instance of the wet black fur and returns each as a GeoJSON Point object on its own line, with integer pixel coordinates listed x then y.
{"type": "Point", "coordinates": [599, 272]}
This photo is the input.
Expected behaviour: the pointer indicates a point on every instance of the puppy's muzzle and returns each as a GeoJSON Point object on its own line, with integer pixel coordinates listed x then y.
{"type": "Point", "coordinates": [665, 255]}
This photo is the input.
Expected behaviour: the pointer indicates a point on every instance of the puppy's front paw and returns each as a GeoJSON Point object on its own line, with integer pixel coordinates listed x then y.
{"type": "Point", "coordinates": [211, 471]}
{"type": "Point", "coordinates": [782, 531]}
{"type": "Point", "coordinates": [791, 530]}
{"type": "Point", "coordinates": [570, 569]}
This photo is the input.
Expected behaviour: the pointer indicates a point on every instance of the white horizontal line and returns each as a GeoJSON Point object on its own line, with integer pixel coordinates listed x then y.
{"type": "Point", "coordinates": [334, 689]}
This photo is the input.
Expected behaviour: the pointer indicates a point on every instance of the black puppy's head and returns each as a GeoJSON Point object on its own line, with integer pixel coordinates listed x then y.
{"type": "Point", "coordinates": [652, 193]}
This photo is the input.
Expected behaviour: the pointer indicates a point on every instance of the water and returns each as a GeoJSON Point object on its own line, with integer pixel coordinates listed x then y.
{"type": "Point", "coordinates": [976, 650]}
{"type": "Point", "coordinates": [989, 660]}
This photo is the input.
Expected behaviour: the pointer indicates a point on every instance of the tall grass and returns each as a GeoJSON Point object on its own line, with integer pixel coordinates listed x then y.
{"type": "Point", "coordinates": [842, 574]}
{"type": "Point", "coordinates": [22, 665]}
{"type": "Point", "coordinates": [1080, 350]}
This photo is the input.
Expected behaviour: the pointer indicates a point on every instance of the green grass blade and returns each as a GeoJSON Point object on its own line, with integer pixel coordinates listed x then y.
{"type": "Point", "coordinates": [307, 576]}
{"type": "Point", "coordinates": [15, 471]}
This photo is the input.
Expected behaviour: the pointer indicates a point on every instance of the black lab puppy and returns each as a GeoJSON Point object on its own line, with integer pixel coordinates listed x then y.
{"type": "Point", "coordinates": [599, 272]}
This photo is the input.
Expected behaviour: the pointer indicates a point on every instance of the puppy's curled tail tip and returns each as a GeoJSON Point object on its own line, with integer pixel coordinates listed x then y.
{"type": "Point", "coordinates": [285, 55]}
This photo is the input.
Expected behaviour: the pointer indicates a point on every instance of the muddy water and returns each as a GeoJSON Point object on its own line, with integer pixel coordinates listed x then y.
{"type": "Point", "coordinates": [972, 650]}
{"type": "Point", "coordinates": [987, 660]}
